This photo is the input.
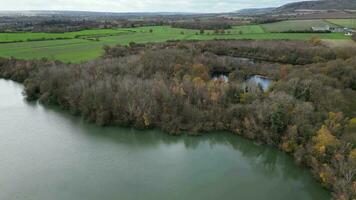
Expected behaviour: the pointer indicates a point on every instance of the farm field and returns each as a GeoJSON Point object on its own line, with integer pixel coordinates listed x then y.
{"type": "Point", "coordinates": [83, 48]}
{"type": "Point", "coordinates": [350, 23]}
{"type": "Point", "coordinates": [294, 25]}
{"type": "Point", "coordinates": [23, 37]}
{"type": "Point", "coordinates": [248, 29]}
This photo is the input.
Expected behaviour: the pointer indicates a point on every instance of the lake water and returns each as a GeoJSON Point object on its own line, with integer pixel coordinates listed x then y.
{"type": "Point", "coordinates": [265, 83]}
{"type": "Point", "coordinates": [47, 154]}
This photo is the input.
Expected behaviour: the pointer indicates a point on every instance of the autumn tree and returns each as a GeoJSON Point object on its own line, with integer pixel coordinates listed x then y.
{"type": "Point", "coordinates": [199, 70]}
{"type": "Point", "coordinates": [325, 142]}
{"type": "Point", "coordinates": [316, 41]}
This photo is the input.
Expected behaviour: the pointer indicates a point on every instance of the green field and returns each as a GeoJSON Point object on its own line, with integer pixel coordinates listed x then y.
{"type": "Point", "coordinates": [295, 25]}
{"type": "Point", "coordinates": [82, 49]}
{"type": "Point", "coordinates": [248, 29]}
{"type": "Point", "coordinates": [23, 37]}
{"type": "Point", "coordinates": [349, 23]}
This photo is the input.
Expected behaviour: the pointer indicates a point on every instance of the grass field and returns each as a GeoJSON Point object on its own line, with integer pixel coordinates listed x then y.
{"type": "Point", "coordinates": [22, 37]}
{"type": "Point", "coordinates": [81, 49]}
{"type": "Point", "coordinates": [248, 29]}
{"type": "Point", "coordinates": [294, 25]}
{"type": "Point", "coordinates": [350, 23]}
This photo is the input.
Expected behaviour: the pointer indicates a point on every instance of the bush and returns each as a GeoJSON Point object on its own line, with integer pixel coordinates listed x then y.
{"type": "Point", "coordinates": [316, 41]}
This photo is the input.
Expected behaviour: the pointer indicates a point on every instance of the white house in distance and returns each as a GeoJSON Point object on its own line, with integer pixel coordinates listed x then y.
{"type": "Point", "coordinates": [321, 28]}
{"type": "Point", "coordinates": [327, 28]}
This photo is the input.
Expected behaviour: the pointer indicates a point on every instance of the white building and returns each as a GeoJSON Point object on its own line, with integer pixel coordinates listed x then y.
{"type": "Point", "coordinates": [320, 28]}
{"type": "Point", "coordinates": [349, 34]}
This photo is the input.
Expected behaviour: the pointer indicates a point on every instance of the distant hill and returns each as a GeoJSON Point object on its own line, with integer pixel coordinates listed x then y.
{"type": "Point", "coordinates": [45, 13]}
{"type": "Point", "coordinates": [303, 5]}
{"type": "Point", "coordinates": [255, 11]}
{"type": "Point", "coordinates": [319, 5]}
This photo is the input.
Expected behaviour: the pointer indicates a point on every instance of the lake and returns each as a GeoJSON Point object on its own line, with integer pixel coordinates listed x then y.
{"type": "Point", "coordinates": [264, 82]}
{"type": "Point", "coordinates": [47, 154]}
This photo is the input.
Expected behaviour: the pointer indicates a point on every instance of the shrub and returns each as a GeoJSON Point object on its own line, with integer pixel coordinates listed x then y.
{"type": "Point", "coordinates": [316, 41]}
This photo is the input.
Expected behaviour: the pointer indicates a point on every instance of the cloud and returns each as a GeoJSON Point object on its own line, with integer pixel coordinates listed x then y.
{"type": "Point", "coordinates": [140, 5]}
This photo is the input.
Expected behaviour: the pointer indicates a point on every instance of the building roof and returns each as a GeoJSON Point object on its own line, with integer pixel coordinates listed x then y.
{"type": "Point", "coordinates": [321, 28]}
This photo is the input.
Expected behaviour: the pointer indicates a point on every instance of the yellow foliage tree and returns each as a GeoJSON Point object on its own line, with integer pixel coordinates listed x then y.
{"type": "Point", "coordinates": [326, 175]}
{"type": "Point", "coordinates": [198, 82]}
{"type": "Point", "coordinates": [146, 120]}
{"type": "Point", "coordinates": [334, 122]}
{"type": "Point", "coordinates": [352, 124]}
{"type": "Point", "coordinates": [201, 71]}
{"type": "Point", "coordinates": [324, 139]}
{"type": "Point", "coordinates": [352, 155]}
{"type": "Point", "coordinates": [316, 41]}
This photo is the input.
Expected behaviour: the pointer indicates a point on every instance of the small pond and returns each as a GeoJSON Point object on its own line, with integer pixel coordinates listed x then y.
{"type": "Point", "coordinates": [264, 82]}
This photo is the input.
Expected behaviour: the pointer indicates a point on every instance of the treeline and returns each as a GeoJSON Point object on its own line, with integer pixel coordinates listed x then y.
{"type": "Point", "coordinates": [59, 25]}
{"type": "Point", "coordinates": [265, 20]}
{"type": "Point", "coordinates": [289, 52]}
{"type": "Point", "coordinates": [203, 25]}
{"type": "Point", "coordinates": [303, 31]}
{"type": "Point", "coordinates": [308, 112]}
{"type": "Point", "coordinates": [56, 25]}
{"type": "Point", "coordinates": [20, 70]}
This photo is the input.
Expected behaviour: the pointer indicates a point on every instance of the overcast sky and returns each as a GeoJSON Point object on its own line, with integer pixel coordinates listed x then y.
{"type": "Point", "coordinates": [140, 5]}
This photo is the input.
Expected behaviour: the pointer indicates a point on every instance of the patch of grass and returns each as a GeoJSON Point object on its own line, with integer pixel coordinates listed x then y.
{"type": "Point", "coordinates": [250, 29]}
{"type": "Point", "coordinates": [295, 25]}
{"type": "Point", "coordinates": [73, 50]}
